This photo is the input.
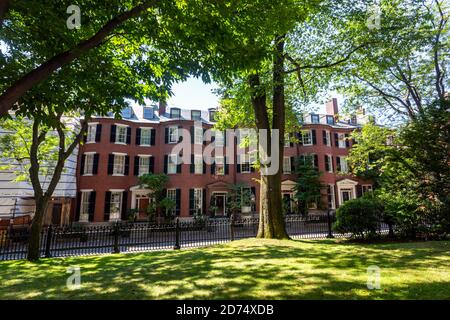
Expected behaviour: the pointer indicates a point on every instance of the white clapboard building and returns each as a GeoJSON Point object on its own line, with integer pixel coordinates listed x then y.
{"type": "Point", "coordinates": [17, 198]}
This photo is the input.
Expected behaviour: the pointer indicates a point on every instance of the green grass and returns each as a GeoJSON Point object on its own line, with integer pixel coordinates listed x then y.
{"type": "Point", "coordinates": [245, 269]}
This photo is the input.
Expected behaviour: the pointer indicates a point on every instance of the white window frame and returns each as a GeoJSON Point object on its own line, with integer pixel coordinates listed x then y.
{"type": "Point", "coordinates": [120, 127]}
{"type": "Point", "coordinates": [198, 135]}
{"type": "Point", "coordinates": [245, 163]}
{"type": "Point", "coordinates": [173, 134]}
{"type": "Point", "coordinates": [330, 162]}
{"type": "Point", "coordinates": [341, 139]}
{"type": "Point", "coordinates": [287, 142]}
{"type": "Point", "coordinates": [84, 206]}
{"type": "Point", "coordinates": [172, 194]}
{"type": "Point", "coordinates": [144, 164]}
{"type": "Point", "coordinates": [198, 199]}
{"type": "Point", "coordinates": [333, 196]}
{"type": "Point", "coordinates": [307, 138]}
{"type": "Point", "coordinates": [173, 111]}
{"type": "Point", "coordinates": [150, 110]}
{"type": "Point", "coordinates": [287, 165]}
{"type": "Point", "coordinates": [220, 165]}
{"type": "Point", "coordinates": [368, 188]}
{"type": "Point", "coordinates": [88, 169]}
{"type": "Point", "coordinates": [344, 165]}
{"type": "Point", "coordinates": [91, 133]}
{"type": "Point", "coordinates": [119, 164]}
{"type": "Point", "coordinates": [219, 138]}
{"type": "Point", "coordinates": [112, 204]}
{"type": "Point", "coordinates": [198, 164]}
{"type": "Point", "coordinates": [328, 138]}
{"type": "Point", "coordinates": [148, 131]}
{"type": "Point", "coordinates": [172, 161]}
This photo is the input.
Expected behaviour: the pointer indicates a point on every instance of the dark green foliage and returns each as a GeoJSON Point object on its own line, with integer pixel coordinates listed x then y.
{"type": "Point", "coordinates": [308, 185]}
{"type": "Point", "coordinates": [361, 217]}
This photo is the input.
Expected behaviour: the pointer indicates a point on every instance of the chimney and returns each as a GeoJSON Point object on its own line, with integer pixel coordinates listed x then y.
{"type": "Point", "coordinates": [332, 107]}
{"type": "Point", "coordinates": [162, 107]}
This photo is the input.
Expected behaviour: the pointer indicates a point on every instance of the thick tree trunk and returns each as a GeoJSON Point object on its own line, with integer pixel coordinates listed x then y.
{"type": "Point", "coordinates": [42, 72]}
{"type": "Point", "coordinates": [271, 222]}
{"type": "Point", "coordinates": [4, 8]}
{"type": "Point", "coordinates": [34, 243]}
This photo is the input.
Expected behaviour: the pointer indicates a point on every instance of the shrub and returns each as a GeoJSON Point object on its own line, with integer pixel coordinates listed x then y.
{"type": "Point", "coordinates": [361, 217]}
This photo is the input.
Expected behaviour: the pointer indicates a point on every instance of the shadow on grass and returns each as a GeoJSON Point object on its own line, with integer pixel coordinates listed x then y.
{"type": "Point", "coordinates": [247, 269]}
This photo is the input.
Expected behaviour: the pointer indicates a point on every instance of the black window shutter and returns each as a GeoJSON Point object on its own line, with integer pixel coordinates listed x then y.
{"type": "Point", "coordinates": [110, 163]}
{"type": "Point", "coordinates": [128, 135]}
{"type": "Point", "coordinates": [107, 205]}
{"type": "Point", "coordinates": [359, 191]}
{"type": "Point", "coordinates": [92, 197]}
{"type": "Point", "coordinates": [238, 167]}
{"type": "Point", "coordinates": [191, 202]}
{"type": "Point", "coordinates": [338, 163]}
{"type": "Point", "coordinates": [252, 168]}
{"type": "Point", "coordinates": [178, 165]}
{"type": "Point", "coordinates": [180, 133]}
{"type": "Point", "coordinates": [336, 140]}
{"type": "Point", "coordinates": [83, 159]}
{"type": "Point", "coordinates": [178, 201]}
{"type": "Point", "coordinates": [347, 141]}
{"type": "Point", "coordinates": [204, 202]}
{"type": "Point", "coordinates": [226, 165]}
{"type": "Point", "coordinates": [204, 141]}
{"type": "Point", "coordinates": [292, 165]}
{"type": "Point", "coordinates": [98, 133]}
{"type": "Point", "coordinates": [192, 166]}
{"type": "Point", "coordinates": [324, 137]}
{"type": "Point", "coordinates": [95, 164]}
{"type": "Point", "coordinates": [77, 212]}
{"type": "Point", "coordinates": [124, 212]}
{"type": "Point", "coordinates": [138, 136]}
{"type": "Point", "coordinates": [253, 189]}
{"type": "Point", "coordinates": [151, 166]}
{"type": "Point", "coordinates": [166, 135]}
{"type": "Point", "coordinates": [192, 134]}
{"type": "Point", "coordinates": [112, 137]}
{"type": "Point", "coordinates": [136, 165]}
{"type": "Point", "coordinates": [166, 159]}
{"type": "Point", "coordinates": [225, 138]}
{"type": "Point", "coordinates": [300, 138]}
{"type": "Point", "coordinates": [213, 167]}
{"type": "Point", "coordinates": [314, 137]}
{"type": "Point", "coordinates": [291, 143]}
{"type": "Point", "coordinates": [204, 167]}
{"type": "Point", "coordinates": [152, 137]}
{"type": "Point", "coordinates": [316, 161]}
{"type": "Point", "coordinates": [85, 137]}
{"type": "Point", "coordinates": [127, 165]}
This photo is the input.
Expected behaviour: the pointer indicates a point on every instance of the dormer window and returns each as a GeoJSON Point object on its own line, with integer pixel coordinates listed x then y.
{"type": "Point", "coordinates": [148, 113]}
{"type": "Point", "coordinates": [196, 115]}
{"type": "Point", "coordinates": [330, 120]}
{"type": "Point", "coordinates": [127, 113]}
{"type": "Point", "coordinates": [175, 113]}
{"type": "Point", "coordinates": [212, 116]}
{"type": "Point", "coordinates": [353, 120]}
{"type": "Point", "coordinates": [315, 118]}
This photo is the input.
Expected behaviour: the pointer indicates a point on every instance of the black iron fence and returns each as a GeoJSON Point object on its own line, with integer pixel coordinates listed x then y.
{"type": "Point", "coordinates": [135, 237]}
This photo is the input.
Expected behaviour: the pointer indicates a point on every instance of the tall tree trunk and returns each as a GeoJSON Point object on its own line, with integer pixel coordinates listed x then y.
{"type": "Point", "coordinates": [271, 222]}
{"type": "Point", "coordinates": [34, 242]}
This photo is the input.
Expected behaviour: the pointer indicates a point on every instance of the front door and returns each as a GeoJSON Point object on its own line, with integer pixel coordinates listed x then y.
{"type": "Point", "coordinates": [346, 194]}
{"type": "Point", "coordinates": [142, 206]}
{"type": "Point", "coordinates": [220, 204]}
{"type": "Point", "coordinates": [56, 214]}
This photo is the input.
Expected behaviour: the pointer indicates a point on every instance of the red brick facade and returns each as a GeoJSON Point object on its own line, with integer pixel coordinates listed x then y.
{"type": "Point", "coordinates": [100, 181]}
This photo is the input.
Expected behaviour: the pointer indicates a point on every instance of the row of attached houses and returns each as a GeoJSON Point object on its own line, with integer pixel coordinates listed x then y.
{"type": "Point", "coordinates": [100, 183]}
{"type": "Point", "coordinates": [116, 152]}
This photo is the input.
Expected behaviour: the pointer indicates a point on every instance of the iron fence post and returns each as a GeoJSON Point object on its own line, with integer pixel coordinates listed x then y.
{"type": "Point", "coordinates": [330, 232]}
{"type": "Point", "coordinates": [232, 227]}
{"type": "Point", "coordinates": [177, 235]}
{"type": "Point", "coordinates": [48, 241]}
{"type": "Point", "coordinates": [116, 248]}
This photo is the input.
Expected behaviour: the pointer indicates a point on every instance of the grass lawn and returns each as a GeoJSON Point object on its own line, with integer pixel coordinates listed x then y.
{"type": "Point", "coordinates": [245, 269]}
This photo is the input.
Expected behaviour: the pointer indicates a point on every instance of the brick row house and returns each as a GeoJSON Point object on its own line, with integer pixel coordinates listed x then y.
{"type": "Point", "coordinates": [116, 152]}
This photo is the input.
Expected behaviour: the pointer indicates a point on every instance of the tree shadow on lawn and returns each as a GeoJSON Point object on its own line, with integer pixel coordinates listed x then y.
{"type": "Point", "coordinates": [263, 270]}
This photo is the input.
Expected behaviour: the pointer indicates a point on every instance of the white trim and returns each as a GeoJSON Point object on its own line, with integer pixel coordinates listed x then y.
{"type": "Point", "coordinates": [116, 190]}
{"type": "Point", "coordinates": [93, 123]}
{"type": "Point", "coordinates": [145, 155]}
{"type": "Point", "coordinates": [224, 194]}
{"type": "Point", "coordinates": [119, 153]}
{"type": "Point", "coordinates": [90, 152]}
{"type": "Point", "coordinates": [146, 128]}
{"type": "Point", "coordinates": [121, 125]}
{"type": "Point", "coordinates": [86, 190]}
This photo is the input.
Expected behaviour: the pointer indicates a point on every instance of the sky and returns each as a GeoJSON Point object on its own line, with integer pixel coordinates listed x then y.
{"type": "Point", "coordinates": [194, 94]}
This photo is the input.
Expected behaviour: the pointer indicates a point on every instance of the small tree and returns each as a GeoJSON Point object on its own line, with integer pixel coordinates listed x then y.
{"type": "Point", "coordinates": [238, 197]}
{"type": "Point", "coordinates": [161, 204]}
{"type": "Point", "coordinates": [308, 185]}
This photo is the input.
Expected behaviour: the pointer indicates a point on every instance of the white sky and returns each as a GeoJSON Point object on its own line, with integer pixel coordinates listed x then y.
{"type": "Point", "coordinates": [194, 94]}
